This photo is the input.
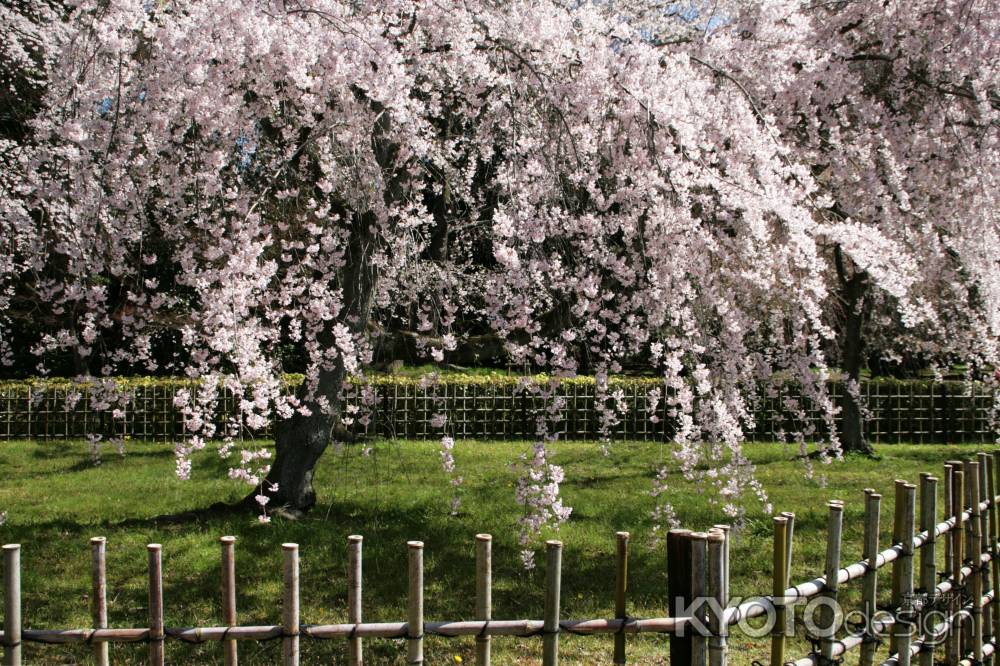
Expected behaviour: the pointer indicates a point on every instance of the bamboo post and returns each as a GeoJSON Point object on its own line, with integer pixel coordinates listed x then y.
{"type": "Point", "coordinates": [484, 593]}
{"type": "Point", "coordinates": [156, 635]}
{"type": "Point", "coordinates": [725, 557]}
{"type": "Point", "coordinates": [290, 605]}
{"type": "Point", "coordinates": [976, 579]}
{"type": "Point", "coordinates": [228, 545]}
{"type": "Point", "coordinates": [553, 582]}
{"type": "Point", "coordinates": [928, 555]}
{"type": "Point", "coordinates": [621, 587]}
{"type": "Point", "coordinates": [699, 590]}
{"type": "Point", "coordinates": [789, 539]}
{"type": "Point", "coordinates": [991, 483]}
{"type": "Point", "coordinates": [957, 543]}
{"type": "Point", "coordinates": [679, 590]}
{"type": "Point", "coordinates": [835, 524]}
{"type": "Point", "coordinates": [949, 512]}
{"type": "Point", "coordinates": [897, 538]}
{"type": "Point", "coordinates": [355, 653]}
{"type": "Point", "coordinates": [984, 547]}
{"type": "Point", "coordinates": [779, 580]}
{"type": "Point", "coordinates": [99, 595]}
{"type": "Point", "coordinates": [415, 611]}
{"type": "Point", "coordinates": [903, 602]}
{"type": "Point", "coordinates": [717, 590]}
{"type": "Point", "coordinates": [873, 504]}
{"type": "Point", "coordinates": [971, 474]}
{"type": "Point", "coordinates": [970, 468]}
{"type": "Point", "coordinates": [12, 604]}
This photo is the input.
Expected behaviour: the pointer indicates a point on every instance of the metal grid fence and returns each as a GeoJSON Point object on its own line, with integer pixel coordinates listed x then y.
{"type": "Point", "coordinates": [897, 412]}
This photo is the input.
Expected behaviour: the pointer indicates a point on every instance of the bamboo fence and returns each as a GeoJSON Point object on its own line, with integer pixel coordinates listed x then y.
{"type": "Point", "coordinates": [898, 411]}
{"type": "Point", "coordinates": [955, 618]}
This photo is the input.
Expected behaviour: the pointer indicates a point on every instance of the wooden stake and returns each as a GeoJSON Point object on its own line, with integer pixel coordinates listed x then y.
{"type": "Point", "coordinates": [12, 604]}
{"type": "Point", "coordinates": [699, 590]}
{"type": "Point", "coordinates": [835, 524]}
{"type": "Point", "coordinates": [290, 605]}
{"type": "Point", "coordinates": [904, 601]}
{"type": "Point", "coordinates": [873, 505]}
{"type": "Point", "coordinates": [621, 587]}
{"type": "Point", "coordinates": [484, 593]}
{"type": "Point", "coordinates": [928, 554]}
{"type": "Point", "coordinates": [99, 595]}
{"type": "Point", "coordinates": [156, 635]}
{"type": "Point", "coordinates": [717, 590]}
{"type": "Point", "coordinates": [957, 544]}
{"type": "Point", "coordinates": [779, 583]}
{"type": "Point", "coordinates": [228, 545]}
{"type": "Point", "coordinates": [553, 583]}
{"type": "Point", "coordinates": [355, 653]}
{"type": "Point", "coordinates": [415, 614]}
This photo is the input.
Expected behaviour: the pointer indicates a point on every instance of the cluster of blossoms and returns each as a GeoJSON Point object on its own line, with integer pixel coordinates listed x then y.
{"type": "Point", "coordinates": [537, 490]}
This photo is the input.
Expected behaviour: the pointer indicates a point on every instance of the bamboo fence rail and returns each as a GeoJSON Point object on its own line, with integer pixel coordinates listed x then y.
{"type": "Point", "coordinates": [898, 411]}
{"type": "Point", "coordinates": [701, 614]}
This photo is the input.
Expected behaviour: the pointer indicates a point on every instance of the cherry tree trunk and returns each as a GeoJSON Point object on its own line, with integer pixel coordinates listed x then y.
{"type": "Point", "coordinates": [301, 440]}
{"type": "Point", "coordinates": [852, 357]}
{"type": "Point", "coordinates": [299, 443]}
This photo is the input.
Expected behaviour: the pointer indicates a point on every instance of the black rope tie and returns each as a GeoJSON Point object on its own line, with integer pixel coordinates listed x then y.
{"type": "Point", "coordinates": [482, 632]}
{"type": "Point", "coordinates": [625, 620]}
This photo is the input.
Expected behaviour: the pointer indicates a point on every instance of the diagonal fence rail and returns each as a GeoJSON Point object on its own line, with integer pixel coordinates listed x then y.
{"type": "Point", "coordinates": [948, 613]}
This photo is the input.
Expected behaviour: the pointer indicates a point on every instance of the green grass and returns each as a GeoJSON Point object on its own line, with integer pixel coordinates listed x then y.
{"type": "Point", "coordinates": [56, 500]}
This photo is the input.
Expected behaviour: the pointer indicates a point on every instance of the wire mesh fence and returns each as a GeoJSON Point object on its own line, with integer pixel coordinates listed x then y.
{"type": "Point", "coordinates": [897, 411]}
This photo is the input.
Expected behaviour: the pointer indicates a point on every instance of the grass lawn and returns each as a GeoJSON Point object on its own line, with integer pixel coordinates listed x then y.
{"type": "Point", "coordinates": [56, 499]}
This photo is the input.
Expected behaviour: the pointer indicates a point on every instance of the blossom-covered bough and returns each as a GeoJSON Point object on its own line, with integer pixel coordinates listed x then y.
{"type": "Point", "coordinates": [720, 198]}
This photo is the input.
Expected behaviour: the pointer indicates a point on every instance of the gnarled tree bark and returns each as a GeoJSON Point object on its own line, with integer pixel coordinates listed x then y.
{"type": "Point", "coordinates": [854, 290]}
